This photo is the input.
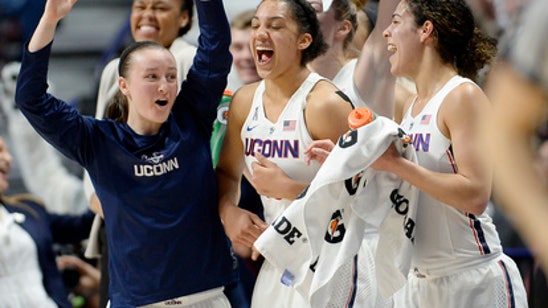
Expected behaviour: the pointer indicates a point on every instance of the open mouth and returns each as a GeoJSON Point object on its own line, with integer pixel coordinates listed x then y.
{"type": "Point", "coordinates": [391, 48]}
{"type": "Point", "coordinates": [264, 55]}
{"type": "Point", "coordinates": [161, 102]}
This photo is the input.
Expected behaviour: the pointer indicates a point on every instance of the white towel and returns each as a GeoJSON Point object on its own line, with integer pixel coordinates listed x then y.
{"type": "Point", "coordinates": [316, 239]}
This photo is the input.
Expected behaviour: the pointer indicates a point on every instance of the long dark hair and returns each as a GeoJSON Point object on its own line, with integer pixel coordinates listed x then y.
{"type": "Point", "coordinates": [459, 41]}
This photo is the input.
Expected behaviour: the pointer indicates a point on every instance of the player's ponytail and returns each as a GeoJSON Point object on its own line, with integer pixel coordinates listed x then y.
{"type": "Point", "coordinates": [117, 108]}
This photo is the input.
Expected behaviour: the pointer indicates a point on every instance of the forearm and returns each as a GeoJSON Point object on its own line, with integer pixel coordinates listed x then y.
{"type": "Point", "coordinates": [229, 188]}
{"type": "Point", "coordinates": [453, 189]}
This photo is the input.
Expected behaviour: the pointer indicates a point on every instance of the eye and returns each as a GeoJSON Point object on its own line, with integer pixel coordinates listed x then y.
{"type": "Point", "coordinates": [161, 8]}
{"type": "Point", "coordinates": [151, 76]}
{"type": "Point", "coordinates": [172, 77]}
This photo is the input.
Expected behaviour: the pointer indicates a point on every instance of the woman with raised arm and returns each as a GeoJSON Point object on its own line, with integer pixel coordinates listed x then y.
{"type": "Point", "coordinates": [166, 242]}
{"type": "Point", "coordinates": [457, 260]}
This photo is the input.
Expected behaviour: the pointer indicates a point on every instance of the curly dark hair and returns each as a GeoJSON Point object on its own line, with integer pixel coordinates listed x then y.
{"type": "Point", "coordinates": [459, 41]}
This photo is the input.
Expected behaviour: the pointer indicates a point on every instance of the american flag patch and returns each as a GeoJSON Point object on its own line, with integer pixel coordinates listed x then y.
{"type": "Point", "coordinates": [426, 119]}
{"type": "Point", "coordinates": [289, 125]}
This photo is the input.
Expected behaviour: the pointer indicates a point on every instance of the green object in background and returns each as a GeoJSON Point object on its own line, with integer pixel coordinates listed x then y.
{"type": "Point", "coordinates": [219, 126]}
{"type": "Point", "coordinates": [78, 301]}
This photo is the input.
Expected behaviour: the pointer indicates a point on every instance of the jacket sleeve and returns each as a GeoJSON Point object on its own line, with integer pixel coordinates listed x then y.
{"type": "Point", "coordinates": [202, 90]}
{"type": "Point", "coordinates": [56, 121]}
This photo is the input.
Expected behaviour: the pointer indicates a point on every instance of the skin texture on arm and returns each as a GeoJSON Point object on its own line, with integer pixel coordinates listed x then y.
{"type": "Point", "coordinates": [55, 11]}
{"type": "Point", "coordinates": [244, 226]}
{"type": "Point", "coordinates": [519, 108]}
{"type": "Point", "coordinates": [372, 76]}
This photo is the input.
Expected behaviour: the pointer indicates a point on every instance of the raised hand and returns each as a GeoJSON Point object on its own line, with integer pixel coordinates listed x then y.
{"type": "Point", "coordinates": [56, 10]}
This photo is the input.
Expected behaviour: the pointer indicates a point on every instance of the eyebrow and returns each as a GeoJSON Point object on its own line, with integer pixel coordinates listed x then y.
{"type": "Point", "coordinates": [271, 18]}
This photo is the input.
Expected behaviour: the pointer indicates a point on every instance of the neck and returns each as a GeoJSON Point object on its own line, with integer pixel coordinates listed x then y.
{"type": "Point", "coordinates": [283, 87]}
{"type": "Point", "coordinates": [432, 77]}
{"type": "Point", "coordinates": [329, 64]}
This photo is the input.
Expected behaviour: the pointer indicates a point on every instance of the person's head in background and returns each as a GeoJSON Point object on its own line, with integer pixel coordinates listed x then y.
{"type": "Point", "coordinates": [284, 32]}
{"type": "Point", "coordinates": [497, 16]}
{"type": "Point", "coordinates": [447, 27]}
{"type": "Point", "coordinates": [5, 166]}
{"type": "Point", "coordinates": [367, 17]}
{"type": "Point", "coordinates": [243, 61]}
{"type": "Point", "coordinates": [160, 20]}
{"type": "Point", "coordinates": [338, 23]}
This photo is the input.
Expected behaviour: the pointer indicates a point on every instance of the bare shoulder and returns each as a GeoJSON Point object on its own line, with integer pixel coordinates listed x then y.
{"type": "Point", "coordinates": [326, 95]}
{"type": "Point", "coordinates": [464, 97]}
{"type": "Point", "coordinates": [242, 100]}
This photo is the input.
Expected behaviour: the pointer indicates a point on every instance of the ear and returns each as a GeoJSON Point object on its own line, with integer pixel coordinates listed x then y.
{"type": "Point", "coordinates": [122, 84]}
{"type": "Point", "coordinates": [304, 41]}
{"type": "Point", "coordinates": [344, 29]}
{"type": "Point", "coordinates": [427, 31]}
{"type": "Point", "coordinates": [183, 19]}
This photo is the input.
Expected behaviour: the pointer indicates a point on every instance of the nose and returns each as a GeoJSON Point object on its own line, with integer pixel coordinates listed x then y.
{"type": "Point", "coordinates": [386, 32]}
{"type": "Point", "coordinates": [148, 12]}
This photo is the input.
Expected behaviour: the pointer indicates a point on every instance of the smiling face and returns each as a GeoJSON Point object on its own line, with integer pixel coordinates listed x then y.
{"type": "Point", "coordinates": [150, 86]}
{"type": "Point", "coordinates": [404, 41]}
{"type": "Point", "coordinates": [5, 166]}
{"type": "Point", "coordinates": [242, 57]}
{"type": "Point", "coordinates": [275, 41]}
{"type": "Point", "coordinates": [157, 20]}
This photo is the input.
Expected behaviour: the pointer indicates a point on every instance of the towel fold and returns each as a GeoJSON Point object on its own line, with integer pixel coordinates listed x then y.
{"type": "Point", "coordinates": [315, 241]}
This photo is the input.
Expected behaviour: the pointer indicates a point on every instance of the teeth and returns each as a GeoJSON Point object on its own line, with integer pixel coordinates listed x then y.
{"type": "Point", "coordinates": [263, 49]}
{"type": "Point", "coordinates": [147, 28]}
{"type": "Point", "coordinates": [392, 48]}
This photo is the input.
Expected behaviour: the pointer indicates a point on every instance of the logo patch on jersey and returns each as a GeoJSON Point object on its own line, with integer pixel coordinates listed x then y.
{"type": "Point", "coordinates": [425, 119]}
{"type": "Point", "coordinates": [289, 125]}
{"type": "Point", "coordinates": [155, 158]}
{"type": "Point", "coordinates": [250, 128]}
{"type": "Point", "coordinates": [256, 114]}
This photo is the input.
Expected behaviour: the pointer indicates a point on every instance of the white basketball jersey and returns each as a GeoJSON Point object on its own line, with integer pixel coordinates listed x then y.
{"type": "Point", "coordinates": [446, 238]}
{"type": "Point", "coordinates": [282, 142]}
{"type": "Point", "coordinates": [344, 80]}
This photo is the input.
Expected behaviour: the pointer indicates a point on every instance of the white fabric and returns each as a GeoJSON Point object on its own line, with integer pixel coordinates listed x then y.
{"type": "Point", "coordinates": [213, 298]}
{"type": "Point", "coordinates": [344, 80]}
{"type": "Point", "coordinates": [21, 283]}
{"type": "Point", "coordinates": [495, 284]}
{"type": "Point", "coordinates": [40, 164]}
{"type": "Point", "coordinates": [290, 134]}
{"type": "Point", "coordinates": [451, 240]}
{"type": "Point", "coordinates": [324, 228]}
{"type": "Point", "coordinates": [259, 134]}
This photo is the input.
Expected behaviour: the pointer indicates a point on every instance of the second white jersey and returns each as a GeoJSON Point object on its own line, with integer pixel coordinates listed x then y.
{"type": "Point", "coordinates": [282, 142]}
{"type": "Point", "coordinates": [446, 238]}
{"type": "Point", "coordinates": [344, 80]}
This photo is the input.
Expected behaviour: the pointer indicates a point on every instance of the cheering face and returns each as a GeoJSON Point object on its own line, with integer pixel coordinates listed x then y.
{"type": "Point", "coordinates": [242, 56]}
{"type": "Point", "coordinates": [274, 39]}
{"type": "Point", "coordinates": [5, 166]}
{"type": "Point", "coordinates": [157, 20]}
{"type": "Point", "coordinates": [151, 88]}
{"type": "Point", "coordinates": [404, 41]}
